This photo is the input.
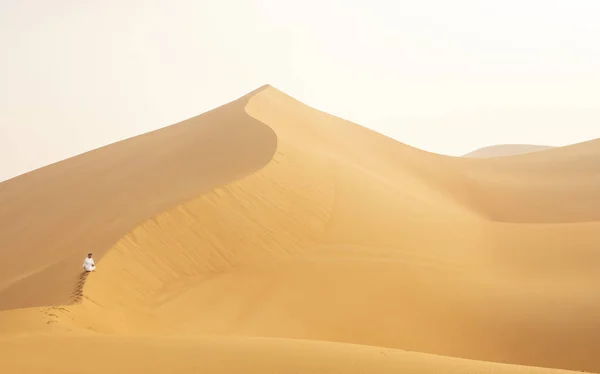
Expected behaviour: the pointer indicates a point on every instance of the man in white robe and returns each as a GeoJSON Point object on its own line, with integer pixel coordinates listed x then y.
{"type": "Point", "coordinates": [88, 263]}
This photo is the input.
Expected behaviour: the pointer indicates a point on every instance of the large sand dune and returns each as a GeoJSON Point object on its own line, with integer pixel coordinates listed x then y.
{"type": "Point", "coordinates": [266, 236]}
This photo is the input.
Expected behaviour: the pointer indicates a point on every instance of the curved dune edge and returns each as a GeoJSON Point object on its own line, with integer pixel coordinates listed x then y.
{"type": "Point", "coordinates": [228, 355]}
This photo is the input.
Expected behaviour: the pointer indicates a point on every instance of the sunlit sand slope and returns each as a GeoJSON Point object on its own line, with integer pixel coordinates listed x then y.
{"type": "Point", "coordinates": [503, 150]}
{"type": "Point", "coordinates": [332, 234]}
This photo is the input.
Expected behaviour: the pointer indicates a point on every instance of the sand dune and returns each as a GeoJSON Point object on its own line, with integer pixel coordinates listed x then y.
{"type": "Point", "coordinates": [503, 150]}
{"type": "Point", "coordinates": [267, 236]}
{"type": "Point", "coordinates": [53, 215]}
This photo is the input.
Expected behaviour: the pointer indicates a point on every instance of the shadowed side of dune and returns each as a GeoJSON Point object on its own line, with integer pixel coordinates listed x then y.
{"type": "Point", "coordinates": [53, 216]}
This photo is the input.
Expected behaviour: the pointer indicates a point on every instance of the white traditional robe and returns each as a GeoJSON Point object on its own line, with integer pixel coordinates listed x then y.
{"type": "Point", "coordinates": [88, 264]}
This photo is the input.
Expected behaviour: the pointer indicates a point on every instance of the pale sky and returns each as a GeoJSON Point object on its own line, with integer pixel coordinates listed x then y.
{"type": "Point", "coordinates": [444, 76]}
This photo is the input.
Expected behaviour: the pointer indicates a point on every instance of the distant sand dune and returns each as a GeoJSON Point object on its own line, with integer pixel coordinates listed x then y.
{"type": "Point", "coordinates": [222, 240]}
{"type": "Point", "coordinates": [504, 150]}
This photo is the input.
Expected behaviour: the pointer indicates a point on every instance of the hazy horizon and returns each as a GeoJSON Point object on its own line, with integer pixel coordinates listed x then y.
{"type": "Point", "coordinates": [446, 78]}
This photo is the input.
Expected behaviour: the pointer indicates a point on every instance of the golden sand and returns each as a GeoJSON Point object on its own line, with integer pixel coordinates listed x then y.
{"type": "Point", "coordinates": [268, 237]}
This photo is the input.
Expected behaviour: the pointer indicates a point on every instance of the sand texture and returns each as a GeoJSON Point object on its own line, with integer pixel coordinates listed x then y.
{"type": "Point", "coordinates": [268, 237]}
{"type": "Point", "coordinates": [504, 150]}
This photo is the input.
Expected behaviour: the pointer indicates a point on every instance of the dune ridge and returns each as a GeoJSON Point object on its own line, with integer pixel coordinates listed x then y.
{"type": "Point", "coordinates": [333, 235]}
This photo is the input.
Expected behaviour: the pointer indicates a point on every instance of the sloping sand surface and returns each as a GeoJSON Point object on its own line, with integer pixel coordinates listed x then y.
{"type": "Point", "coordinates": [222, 240]}
{"type": "Point", "coordinates": [53, 215]}
{"type": "Point", "coordinates": [504, 150]}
